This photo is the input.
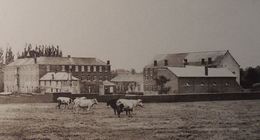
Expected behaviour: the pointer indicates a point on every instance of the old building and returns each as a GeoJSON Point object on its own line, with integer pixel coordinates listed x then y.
{"type": "Point", "coordinates": [53, 82]}
{"type": "Point", "coordinates": [24, 74]}
{"type": "Point", "coordinates": [211, 59]}
{"type": "Point", "coordinates": [198, 79]}
{"type": "Point", "coordinates": [128, 83]}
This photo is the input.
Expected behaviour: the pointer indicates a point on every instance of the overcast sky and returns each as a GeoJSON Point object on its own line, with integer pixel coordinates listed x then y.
{"type": "Point", "coordinates": [130, 32]}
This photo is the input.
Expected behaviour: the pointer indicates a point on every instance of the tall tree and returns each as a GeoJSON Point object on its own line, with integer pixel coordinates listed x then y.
{"type": "Point", "coordinates": [161, 81]}
{"type": "Point", "coordinates": [9, 56]}
{"type": "Point", "coordinates": [1, 56]}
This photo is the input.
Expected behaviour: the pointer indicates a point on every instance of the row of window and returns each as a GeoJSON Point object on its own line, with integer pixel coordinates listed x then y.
{"type": "Point", "coordinates": [79, 68]}
{"type": "Point", "coordinates": [214, 84]}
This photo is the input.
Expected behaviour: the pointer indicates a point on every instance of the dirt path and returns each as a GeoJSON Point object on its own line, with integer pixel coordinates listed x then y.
{"type": "Point", "coordinates": [195, 120]}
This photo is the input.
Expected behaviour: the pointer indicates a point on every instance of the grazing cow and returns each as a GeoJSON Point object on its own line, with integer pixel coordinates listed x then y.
{"type": "Point", "coordinates": [128, 105]}
{"type": "Point", "coordinates": [86, 103]}
{"type": "Point", "coordinates": [117, 109]}
{"type": "Point", "coordinates": [77, 100]}
{"type": "Point", "coordinates": [64, 101]}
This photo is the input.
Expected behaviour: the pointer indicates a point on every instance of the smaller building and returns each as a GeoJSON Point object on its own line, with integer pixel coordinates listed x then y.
{"type": "Point", "coordinates": [128, 83]}
{"type": "Point", "coordinates": [197, 79]}
{"type": "Point", "coordinates": [53, 82]}
{"type": "Point", "coordinates": [107, 88]}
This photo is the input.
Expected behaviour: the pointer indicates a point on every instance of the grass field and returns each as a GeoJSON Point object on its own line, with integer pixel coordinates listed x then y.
{"type": "Point", "coordinates": [193, 120]}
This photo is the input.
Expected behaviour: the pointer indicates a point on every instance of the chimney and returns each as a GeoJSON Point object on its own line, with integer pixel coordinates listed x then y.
{"type": "Point", "coordinates": [52, 76]}
{"type": "Point", "coordinates": [155, 63]}
{"type": "Point", "coordinates": [209, 60]}
{"type": "Point", "coordinates": [206, 70]}
{"type": "Point", "coordinates": [185, 62]}
{"type": "Point", "coordinates": [203, 61]}
{"type": "Point", "coordinates": [108, 62]}
{"type": "Point", "coordinates": [68, 56]}
{"type": "Point", "coordinates": [165, 62]}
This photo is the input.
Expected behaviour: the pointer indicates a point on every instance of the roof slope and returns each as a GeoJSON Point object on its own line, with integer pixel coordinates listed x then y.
{"type": "Point", "coordinates": [194, 58]}
{"type": "Point", "coordinates": [196, 71]}
{"type": "Point", "coordinates": [59, 76]}
{"type": "Point", "coordinates": [58, 61]}
{"type": "Point", "coordinates": [128, 78]}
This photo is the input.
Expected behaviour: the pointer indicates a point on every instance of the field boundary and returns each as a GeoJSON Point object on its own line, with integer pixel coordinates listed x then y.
{"type": "Point", "coordinates": [167, 98]}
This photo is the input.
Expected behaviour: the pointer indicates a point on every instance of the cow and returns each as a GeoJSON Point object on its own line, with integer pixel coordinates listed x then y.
{"type": "Point", "coordinates": [85, 103]}
{"type": "Point", "coordinates": [117, 108]}
{"type": "Point", "coordinates": [77, 100]}
{"type": "Point", "coordinates": [129, 105]}
{"type": "Point", "coordinates": [64, 101]}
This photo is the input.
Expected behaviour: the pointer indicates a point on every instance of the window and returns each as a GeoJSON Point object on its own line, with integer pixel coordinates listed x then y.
{"type": "Point", "coordinates": [94, 68]}
{"type": "Point", "coordinates": [82, 68]}
{"type": "Point", "coordinates": [88, 67]}
{"type": "Point", "coordinates": [202, 84]}
{"type": "Point", "coordinates": [227, 84]}
{"type": "Point", "coordinates": [63, 68]}
{"type": "Point", "coordinates": [214, 84]}
{"type": "Point", "coordinates": [48, 68]}
{"type": "Point", "coordinates": [100, 68]}
{"type": "Point", "coordinates": [76, 68]}
{"type": "Point", "coordinates": [70, 68]}
{"type": "Point", "coordinates": [187, 84]}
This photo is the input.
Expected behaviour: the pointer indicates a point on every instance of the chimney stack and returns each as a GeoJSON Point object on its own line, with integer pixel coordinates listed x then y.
{"type": "Point", "coordinates": [185, 62]}
{"type": "Point", "coordinates": [206, 70]}
{"type": "Point", "coordinates": [52, 76]}
{"type": "Point", "coordinates": [108, 62]}
{"type": "Point", "coordinates": [155, 63]}
{"type": "Point", "coordinates": [165, 62]}
{"type": "Point", "coordinates": [203, 61]}
{"type": "Point", "coordinates": [209, 60]}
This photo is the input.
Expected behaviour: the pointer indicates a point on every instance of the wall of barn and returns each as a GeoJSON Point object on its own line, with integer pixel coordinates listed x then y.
{"type": "Point", "coordinates": [29, 78]}
{"type": "Point", "coordinates": [208, 85]}
{"type": "Point", "coordinates": [10, 79]}
{"type": "Point", "coordinates": [229, 62]}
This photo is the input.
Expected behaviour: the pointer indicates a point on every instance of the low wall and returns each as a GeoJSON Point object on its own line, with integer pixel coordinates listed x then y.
{"type": "Point", "coordinates": [26, 98]}
{"type": "Point", "coordinates": [167, 98]}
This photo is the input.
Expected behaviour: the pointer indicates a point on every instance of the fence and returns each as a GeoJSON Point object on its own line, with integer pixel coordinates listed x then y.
{"type": "Point", "coordinates": [167, 98]}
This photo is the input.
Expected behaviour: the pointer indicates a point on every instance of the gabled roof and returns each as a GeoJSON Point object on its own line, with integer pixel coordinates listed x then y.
{"type": "Point", "coordinates": [58, 61]}
{"type": "Point", "coordinates": [59, 76]}
{"type": "Point", "coordinates": [128, 78]}
{"type": "Point", "coordinates": [197, 71]}
{"type": "Point", "coordinates": [193, 58]}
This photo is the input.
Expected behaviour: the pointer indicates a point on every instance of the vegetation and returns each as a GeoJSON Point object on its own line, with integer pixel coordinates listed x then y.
{"type": "Point", "coordinates": [249, 76]}
{"type": "Point", "coordinates": [161, 81]}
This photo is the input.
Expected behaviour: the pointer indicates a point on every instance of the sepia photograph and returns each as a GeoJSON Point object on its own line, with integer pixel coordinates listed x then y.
{"type": "Point", "coordinates": [129, 69]}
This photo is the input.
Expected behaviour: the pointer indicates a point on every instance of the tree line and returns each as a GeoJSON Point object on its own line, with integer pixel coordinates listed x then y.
{"type": "Point", "coordinates": [249, 77]}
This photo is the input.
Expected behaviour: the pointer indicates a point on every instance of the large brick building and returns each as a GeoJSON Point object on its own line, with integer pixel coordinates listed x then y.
{"type": "Point", "coordinates": [197, 79]}
{"type": "Point", "coordinates": [23, 75]}
{"type": "Point", "coordinates": [211, 59]}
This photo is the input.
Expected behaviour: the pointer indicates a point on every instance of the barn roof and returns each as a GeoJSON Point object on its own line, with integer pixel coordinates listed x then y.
{"type": "Point", "coordinates": [197, 71]}
{"type": "Point", "coordinates": [58, 61]}
{"type": "Point", "coordinates": [128, 78]}
{"type": "Point", "coordinates": [59, 76]}
{"type": "Point", "coordinates": [193, 58]}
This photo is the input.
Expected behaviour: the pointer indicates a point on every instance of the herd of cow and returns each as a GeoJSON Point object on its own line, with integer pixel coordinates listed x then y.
{"type": "Point", "coordinates": [118, 105]}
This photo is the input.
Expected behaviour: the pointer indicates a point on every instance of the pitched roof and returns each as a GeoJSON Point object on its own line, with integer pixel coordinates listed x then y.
{"type": "Point", "coordinates": [58, 61]}
{"type": "Point", "coordinates": [197, 71]}
{"type": "Point", "coordinates": [128, 78]}
{"type": "Point", "coordinates": [107, 83]}
{"type": "Point", "coordinates": [193, 58]}
{"type": "Point", "coordinates": [59, 76]}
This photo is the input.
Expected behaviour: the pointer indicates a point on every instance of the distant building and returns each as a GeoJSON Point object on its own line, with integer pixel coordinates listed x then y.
{"type": "Point", "coordinates": [24, 75]}
{"type": "Point", "coordinates": [127, 83]}
{"type": "Point", "coordinates": [1, 78]}
{"type": "Point", "coordinates": [211, 59]}
{"type": "Point", "coordinates": [197, 79]}
{"type": "Point", "coordinates": [54, 82]}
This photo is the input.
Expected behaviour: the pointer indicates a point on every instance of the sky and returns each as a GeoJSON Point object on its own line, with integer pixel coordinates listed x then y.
{"type": "Point", "coordinates": [130, 33]}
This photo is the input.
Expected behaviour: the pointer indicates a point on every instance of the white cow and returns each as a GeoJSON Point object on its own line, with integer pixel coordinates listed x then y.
{"type": "Point", "coordinates": [85, 103]}
{"type": "Point", "coordinates": [64, 101]}
{"type": "Point", "coordinates": [129, 104]}
{"type": "Point", "coordinates": [77, 100]}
